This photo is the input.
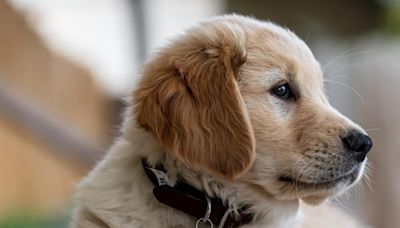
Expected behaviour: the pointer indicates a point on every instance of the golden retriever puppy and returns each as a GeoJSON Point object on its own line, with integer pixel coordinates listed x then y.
{"type": "Point", "coordinates": [229, 126]}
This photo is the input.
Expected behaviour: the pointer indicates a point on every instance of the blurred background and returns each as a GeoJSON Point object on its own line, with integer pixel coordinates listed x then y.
{"type": "Point", "coordinates": [66, 64]}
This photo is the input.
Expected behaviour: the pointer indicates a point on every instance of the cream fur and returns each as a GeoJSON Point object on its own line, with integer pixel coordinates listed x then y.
{"type": "Point", "coordinates": [277, 138]}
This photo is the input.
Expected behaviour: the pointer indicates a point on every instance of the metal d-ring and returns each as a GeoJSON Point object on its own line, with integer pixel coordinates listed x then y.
{"type": "Point", "coordinates": [225, 217]}
{"type": "Point", "coordinates": [206, 218]}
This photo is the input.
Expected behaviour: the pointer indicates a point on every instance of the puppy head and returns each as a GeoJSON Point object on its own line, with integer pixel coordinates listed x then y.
{"type": "Point", "coordinates": [243, 99]}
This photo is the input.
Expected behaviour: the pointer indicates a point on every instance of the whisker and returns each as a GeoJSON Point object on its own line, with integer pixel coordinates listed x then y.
{"type": "Point", "coordinates": [337, 76]}
{"type": "Point", "coordinates": [342, 201]}
{"type": "Point", "coordinates": [341, 55]}
{"type": "Point", "coordinates": [347, 196]}
{"type": "Point", "coordinates": [308, 35]}
{"type": "Point", "coordinates": [344, 54]}
{"type": "Point", "coordinates": [372, 129]}
{"type": "Point", "coordinates": [367, 181]}
{"type": "Point", "coordinates": [340, 69]}
{"type": "Point", "coordinates": [293, 175]}
{"type": "Point", "coordinates": [303, 172]}
{"type": "Point", "coordinates": [356, 189]}
{"type": "Point", "coordinates": [367, 176]}
{"type": "Point", "coordinates": [348, 87]}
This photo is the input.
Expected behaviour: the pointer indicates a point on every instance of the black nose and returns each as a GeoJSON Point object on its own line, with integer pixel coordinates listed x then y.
{"type": "Point", "coordinates": [358, 143]}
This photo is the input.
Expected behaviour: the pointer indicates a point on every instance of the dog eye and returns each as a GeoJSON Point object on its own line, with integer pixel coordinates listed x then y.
{"type": "Point", "coordinates": [282, 91]}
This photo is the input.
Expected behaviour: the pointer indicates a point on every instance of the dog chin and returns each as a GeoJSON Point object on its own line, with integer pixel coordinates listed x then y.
{"type": "Point", "coordinates": [317, 193]}
{"type": "Point", "coordinates": [316, 198]}
{"type": "Point", "coordinates": [312, 196]}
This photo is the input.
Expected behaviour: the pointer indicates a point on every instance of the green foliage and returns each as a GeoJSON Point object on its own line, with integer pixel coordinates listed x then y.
{"type": "Point", "coordinates": [32, 220]}
{"type": "Point", "coordinates": [392, 19]}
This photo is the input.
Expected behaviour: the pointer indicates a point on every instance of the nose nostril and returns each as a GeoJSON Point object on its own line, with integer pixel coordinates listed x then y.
{"type": "Point", "coordinates": [359, 143]}
{"type": "Point", "coordinates": [352, 142]}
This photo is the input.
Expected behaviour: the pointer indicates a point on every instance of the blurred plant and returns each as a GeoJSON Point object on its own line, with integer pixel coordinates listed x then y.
{"type": "Point", "coordinates": [392, 17]}
{"type": "Point", "coordinates": [33, 220]}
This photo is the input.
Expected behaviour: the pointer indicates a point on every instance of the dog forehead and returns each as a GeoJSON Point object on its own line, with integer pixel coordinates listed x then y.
{"type": "Point", "coordinates": [282, 52]}
{"type": "Point", "coordinates": [274, 59]}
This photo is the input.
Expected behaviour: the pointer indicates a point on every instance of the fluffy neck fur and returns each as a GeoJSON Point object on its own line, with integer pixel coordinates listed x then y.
{"type": "Point", "coordinates": [266, 210]}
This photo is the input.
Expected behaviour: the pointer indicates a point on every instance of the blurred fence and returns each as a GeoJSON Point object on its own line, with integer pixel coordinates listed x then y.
{"type": "Point", "coordinates": [54, 120]}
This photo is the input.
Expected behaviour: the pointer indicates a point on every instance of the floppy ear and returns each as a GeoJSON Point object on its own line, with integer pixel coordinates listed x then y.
{"type": "Point", "coordinates": [190, 100]}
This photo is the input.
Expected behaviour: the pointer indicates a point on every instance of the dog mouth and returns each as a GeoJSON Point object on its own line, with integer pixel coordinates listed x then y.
{"type": "Point", "coordinates": [326, 184]}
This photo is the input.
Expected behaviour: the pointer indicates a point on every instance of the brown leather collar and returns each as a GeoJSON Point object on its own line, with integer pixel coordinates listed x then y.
{"type": "Point", "coordinates": [188, 199]}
